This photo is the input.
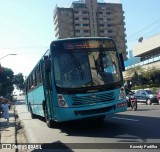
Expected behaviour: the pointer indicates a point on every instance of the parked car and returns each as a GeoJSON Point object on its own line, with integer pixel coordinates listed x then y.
{"type": "Point", "coordinates": [158, 96]}
{"type": "Point", "coordinates": [146, 96]}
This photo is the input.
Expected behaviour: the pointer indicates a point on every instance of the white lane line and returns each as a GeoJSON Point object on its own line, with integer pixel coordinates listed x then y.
{"type": "Point", "coordinates": [125, 119]}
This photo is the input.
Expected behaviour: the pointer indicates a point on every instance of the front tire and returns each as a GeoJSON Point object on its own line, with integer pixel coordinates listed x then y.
{"type": "Point", "coordinates": [149, 102]}
{"type": "Point", "coordinates": [134, 105]}
{"type": "Point", "coordinates": [47, 119]}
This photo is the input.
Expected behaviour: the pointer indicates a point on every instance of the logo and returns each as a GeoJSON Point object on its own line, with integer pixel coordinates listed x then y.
{"type": "Point", "coordinates": [6, 146]}
{"type": "Point", "coordinates": [93, 96]}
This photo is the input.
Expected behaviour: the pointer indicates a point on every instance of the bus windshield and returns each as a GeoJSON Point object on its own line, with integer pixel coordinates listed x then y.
{"type": "Point", "coordinates": [81, 69]}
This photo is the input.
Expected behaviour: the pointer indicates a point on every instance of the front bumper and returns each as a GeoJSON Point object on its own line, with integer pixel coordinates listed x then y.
{"type": "Point", "coordinates": [66, 114]}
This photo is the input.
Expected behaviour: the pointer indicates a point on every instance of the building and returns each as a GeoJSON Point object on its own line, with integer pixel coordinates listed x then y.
{"type": "Point", "coordinates": [91, 19]}
{"type": "Point", "coordinates": [131, 60]}
{"type": "Point", "coordinates": [149, 52]}
{"type": "Point", "coordinates": [147, 55]}
{"type": "Point", "coordinates": [148, 49]}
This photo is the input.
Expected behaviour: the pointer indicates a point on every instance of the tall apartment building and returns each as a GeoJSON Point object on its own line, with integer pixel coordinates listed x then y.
{"type": "Point", "coordinates": [91, 19]}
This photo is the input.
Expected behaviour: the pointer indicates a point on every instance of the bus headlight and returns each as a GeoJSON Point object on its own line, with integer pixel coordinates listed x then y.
{"type": "Point", "coordinates": [122, 94]}
{"type": "Point", "coordinates": [61, 101]}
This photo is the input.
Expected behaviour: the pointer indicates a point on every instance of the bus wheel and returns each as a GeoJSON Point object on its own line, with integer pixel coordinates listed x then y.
{"type": "Point", "coordinates": [48, 121]}
{"type": "Point", "coordinates": [31, 112]}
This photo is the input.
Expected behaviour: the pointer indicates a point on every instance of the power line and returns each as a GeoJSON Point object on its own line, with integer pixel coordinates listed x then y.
{"type": "Point", "coordinates": [155, 22]}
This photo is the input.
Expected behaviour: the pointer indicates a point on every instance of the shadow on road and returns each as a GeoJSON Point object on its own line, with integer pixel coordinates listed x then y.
{"type": "Point", "coordinates": [125, 131]}
{"type": "Point", "coordinates": [133, 128]}
{"type": "Point", "coordinates": [55, 146]}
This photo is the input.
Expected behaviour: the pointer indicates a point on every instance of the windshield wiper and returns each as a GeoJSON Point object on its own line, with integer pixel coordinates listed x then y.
{"type": "Point", "coordinates": [76, 63]}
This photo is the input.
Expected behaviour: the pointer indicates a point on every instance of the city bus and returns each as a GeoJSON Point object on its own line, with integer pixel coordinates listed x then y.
{"type": "Point", "coordinates": [77, 78]}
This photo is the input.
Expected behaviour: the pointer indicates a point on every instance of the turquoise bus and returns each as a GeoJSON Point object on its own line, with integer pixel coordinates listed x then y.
{"type": "Point", "coordinates": [77, 78]}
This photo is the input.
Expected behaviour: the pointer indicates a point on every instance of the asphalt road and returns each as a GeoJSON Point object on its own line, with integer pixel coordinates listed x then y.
{"type": "Point", "coordinates": [134, 127]}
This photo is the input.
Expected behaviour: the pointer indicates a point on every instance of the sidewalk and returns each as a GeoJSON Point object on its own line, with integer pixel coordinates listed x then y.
{"type": "Point", "coordinates": [8, 133]}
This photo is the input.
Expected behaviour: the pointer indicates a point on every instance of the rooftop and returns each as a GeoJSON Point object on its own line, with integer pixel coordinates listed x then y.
{"type": "Point", "coordinates": [147, 45]}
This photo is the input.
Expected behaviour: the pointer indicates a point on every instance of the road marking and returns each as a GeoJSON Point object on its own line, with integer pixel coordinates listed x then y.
{"type": "Point", "coordinates": [125, 119]}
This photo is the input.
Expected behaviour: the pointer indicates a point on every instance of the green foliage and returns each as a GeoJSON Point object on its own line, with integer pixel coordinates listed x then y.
{"type": "Point", "coordinates": [136, 87]}
{"type": "Point", "coordinates": [8, 80]}
{"type": "Point", "coordinates": [154, 89]}
{"type": "Point", "coordinates": [19, 81]}
{"type": "Point", "coordinates": [142, 79]}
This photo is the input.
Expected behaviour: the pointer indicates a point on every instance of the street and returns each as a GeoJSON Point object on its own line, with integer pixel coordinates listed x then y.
{"type": "Point", "coordinates": [141, 126]}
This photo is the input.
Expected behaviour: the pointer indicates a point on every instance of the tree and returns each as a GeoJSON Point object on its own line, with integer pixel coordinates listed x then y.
{"type": "Point", "coordinates": [6, 81]}
{"type": "Point", "coordinates": [155, 75]}
{"type": "Point", "coordinates": [19, 81]}
{"type": "Point", "coordinates": [135, 74]}
{"type": "Point", "coordinates": [134, 71]}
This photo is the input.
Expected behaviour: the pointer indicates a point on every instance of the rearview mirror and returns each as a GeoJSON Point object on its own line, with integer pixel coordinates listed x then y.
{"type": "Point", "coordinates": [122, 61]}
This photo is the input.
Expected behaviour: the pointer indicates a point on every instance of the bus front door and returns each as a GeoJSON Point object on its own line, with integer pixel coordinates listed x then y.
{"type": "Point", "coordinates": [48, 93]}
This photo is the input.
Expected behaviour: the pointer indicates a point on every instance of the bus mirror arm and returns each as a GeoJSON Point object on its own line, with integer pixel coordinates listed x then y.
{"type": "Point", "coordinates": [122, 61]}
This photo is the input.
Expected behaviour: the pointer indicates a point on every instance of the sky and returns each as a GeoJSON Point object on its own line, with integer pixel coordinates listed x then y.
{"type": "Point", "coordinates": [27, 28]}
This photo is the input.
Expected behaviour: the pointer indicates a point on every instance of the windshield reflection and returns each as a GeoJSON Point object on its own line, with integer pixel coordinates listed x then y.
{"type": "Point", "coordinates": [84, 69]}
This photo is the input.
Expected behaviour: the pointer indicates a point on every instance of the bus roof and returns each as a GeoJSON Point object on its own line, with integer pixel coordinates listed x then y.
{"type": "Point", "coordinates": [82, 38]}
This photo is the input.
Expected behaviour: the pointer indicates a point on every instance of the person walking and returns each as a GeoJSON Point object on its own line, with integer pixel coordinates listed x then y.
{"type": "Point", "coordinates": [5, 111]}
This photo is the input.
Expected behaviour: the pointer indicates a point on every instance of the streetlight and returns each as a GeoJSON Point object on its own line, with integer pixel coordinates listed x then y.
{"type": "Point", "coordinates": [4, 57]}
{"type": "Point", "coordinates": [7, 55]}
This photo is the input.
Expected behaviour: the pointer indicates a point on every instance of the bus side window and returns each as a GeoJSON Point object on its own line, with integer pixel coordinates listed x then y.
{"type": "Point", "coordinates": [48, 65]}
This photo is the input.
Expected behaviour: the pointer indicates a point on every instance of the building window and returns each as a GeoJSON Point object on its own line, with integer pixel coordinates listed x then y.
{"type": "Point", "coordinates": [86, 25]}
{"type": "Point", "coordinates": [100, 12]}
{"type": "Point", "coordinates": [85, 18]}
{"type": "Point", "coordinates": [84, 12]}
{"type": "Point", "coordinates": [109, 25]}
{"type": "Point", "coordinates": [77, 31]}
{"type": "Point", "coordinates": [81, 25]}
{"type": "Point", "coordinates": [101, 25]}
{"type": "Point", "coordinates": [102, 31]}
{"type": "Point", "coordinates": [86, 31]}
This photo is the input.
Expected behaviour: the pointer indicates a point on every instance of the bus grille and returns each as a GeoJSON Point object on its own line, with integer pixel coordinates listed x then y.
{"type": "Point", "coordinates": [94, 111]}
{"type": "Point", "coordinates": [94, 98]}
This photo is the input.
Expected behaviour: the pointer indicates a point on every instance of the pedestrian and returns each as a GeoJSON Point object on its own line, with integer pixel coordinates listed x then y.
{"type": "Point", "coordinates": [5, 110]}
